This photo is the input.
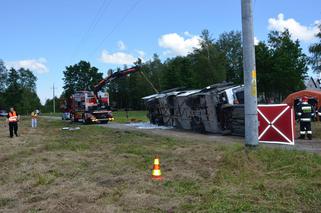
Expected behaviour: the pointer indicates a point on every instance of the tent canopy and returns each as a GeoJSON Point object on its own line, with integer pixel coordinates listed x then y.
{"type": "Point", "coordinates": [309, 93]}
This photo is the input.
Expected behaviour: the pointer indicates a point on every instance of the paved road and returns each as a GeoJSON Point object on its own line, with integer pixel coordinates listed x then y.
{"type": "Point", "coordinates": [305, 145]}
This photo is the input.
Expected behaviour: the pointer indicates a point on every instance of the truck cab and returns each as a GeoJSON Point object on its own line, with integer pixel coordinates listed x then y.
{"type": "Point", "coordinates": [88, 109]}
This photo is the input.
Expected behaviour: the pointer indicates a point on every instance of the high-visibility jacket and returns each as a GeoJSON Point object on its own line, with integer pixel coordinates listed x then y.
{"type": "Point", "coordinates": [13, 117]}
{"type": "Point", "coordinates": [305, 112]}
{"type": "Point", "coordinates": [34, 115]}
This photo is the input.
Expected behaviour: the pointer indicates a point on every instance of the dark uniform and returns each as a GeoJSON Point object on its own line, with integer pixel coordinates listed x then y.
{"type": "Point", "coordinates": [305, 114]}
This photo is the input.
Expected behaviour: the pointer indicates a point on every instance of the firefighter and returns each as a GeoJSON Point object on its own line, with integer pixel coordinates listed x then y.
{"type": "Point", "coordinates": [305, 113]}
{"type": "Point", "coordinates": [34, 119]}
{"type": "Point", "coordinates": [12, 119]}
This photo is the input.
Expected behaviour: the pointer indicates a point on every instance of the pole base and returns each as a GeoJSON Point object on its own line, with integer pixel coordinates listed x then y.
{"type": "Point", "coordinates": [251, 146]}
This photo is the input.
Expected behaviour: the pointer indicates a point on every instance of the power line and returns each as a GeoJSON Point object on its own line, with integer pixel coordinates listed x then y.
{"type": "Point", "coordinates": [104, 6]}
{"type": "Point", "coordinates": [130, 9]}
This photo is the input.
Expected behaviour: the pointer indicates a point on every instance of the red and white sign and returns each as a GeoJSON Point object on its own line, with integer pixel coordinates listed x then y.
{"type": "Point", "coordinates": [276, 124]}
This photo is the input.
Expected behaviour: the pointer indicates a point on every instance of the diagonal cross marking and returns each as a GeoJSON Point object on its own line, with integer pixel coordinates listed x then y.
{"type": "Point", "coordinates": [271, 124]}
{"type": "Point", "coordinates": [267, 120]}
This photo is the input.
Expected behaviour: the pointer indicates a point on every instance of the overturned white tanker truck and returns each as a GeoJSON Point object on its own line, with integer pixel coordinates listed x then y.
{"type": "Point", "coordinates": [215, 109]}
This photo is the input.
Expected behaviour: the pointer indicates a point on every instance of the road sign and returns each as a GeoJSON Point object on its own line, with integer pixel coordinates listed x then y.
{"type": "Point", "coordinates": [276, 124]}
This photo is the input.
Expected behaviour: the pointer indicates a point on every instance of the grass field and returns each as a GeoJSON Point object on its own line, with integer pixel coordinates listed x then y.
{"type": "Point", "coordinates": [97, 169]}
{"type": "Point", "coordinates": [120, 116]}
{"type": "Point", "coordinates": [136, 116]}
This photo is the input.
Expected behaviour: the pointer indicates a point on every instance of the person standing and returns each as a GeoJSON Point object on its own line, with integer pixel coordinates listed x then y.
{"type": "Point", "coordinates": [34, 119]}
{"type": "Point", "coordinates": [305, 114]}
{"type": "Point", "coordinates": [12, 119]}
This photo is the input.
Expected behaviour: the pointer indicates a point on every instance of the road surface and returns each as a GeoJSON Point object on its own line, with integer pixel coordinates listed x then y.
{"type": "Point", "coordinates": [304, 145]}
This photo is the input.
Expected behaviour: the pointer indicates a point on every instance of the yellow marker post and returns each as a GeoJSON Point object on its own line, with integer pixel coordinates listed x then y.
{"type": "Point", "coordinates": [253, 84]}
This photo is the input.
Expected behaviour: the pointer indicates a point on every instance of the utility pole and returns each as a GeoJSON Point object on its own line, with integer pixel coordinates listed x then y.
{"type": "Point", "coordinates": [53, 98]}
{"type": "Point", "coordinates": [249, 69]}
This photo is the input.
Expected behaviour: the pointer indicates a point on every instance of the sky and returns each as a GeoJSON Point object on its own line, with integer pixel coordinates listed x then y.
{"type": "Point", "coordinates": [46, 36]}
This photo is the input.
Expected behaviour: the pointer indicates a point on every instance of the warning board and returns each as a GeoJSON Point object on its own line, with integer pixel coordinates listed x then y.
{"type": "Point", "coordinates": [276, 124]}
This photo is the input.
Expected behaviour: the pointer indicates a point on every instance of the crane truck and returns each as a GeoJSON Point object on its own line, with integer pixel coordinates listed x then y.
{"type": "Point", "coordinates": [93, 106]}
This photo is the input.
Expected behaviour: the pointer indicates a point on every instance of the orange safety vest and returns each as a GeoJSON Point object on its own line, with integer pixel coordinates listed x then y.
{"type": "Point", "coordinates": [13, 117]}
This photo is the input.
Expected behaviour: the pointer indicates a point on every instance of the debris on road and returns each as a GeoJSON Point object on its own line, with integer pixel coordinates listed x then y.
{"type": "Point", "coordinates": [70, 128]}
{"type": "Point", "coordinates": [147, 125]}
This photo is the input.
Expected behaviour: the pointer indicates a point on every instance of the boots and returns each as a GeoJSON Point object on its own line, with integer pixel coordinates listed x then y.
{"type": "Point", "coordinates": [309, 136]}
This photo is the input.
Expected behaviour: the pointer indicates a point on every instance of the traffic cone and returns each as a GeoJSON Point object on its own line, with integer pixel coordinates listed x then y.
{"type": "Point", "coordinates": [156, 173]}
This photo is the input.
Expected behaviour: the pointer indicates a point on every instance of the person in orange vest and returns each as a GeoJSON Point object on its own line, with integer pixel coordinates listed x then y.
{"type": "Point", "coordinates": [12, 119]}
{"type": "Point", "coordinates": [34, 119]}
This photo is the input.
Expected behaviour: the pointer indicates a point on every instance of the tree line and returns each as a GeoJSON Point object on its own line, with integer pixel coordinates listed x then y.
{"type": "Point", "coordinates": [280, 61]}
{"type": "Point", "coordinates": [281, 69]}
{"type": "Point", "coordinates": [18, 89]}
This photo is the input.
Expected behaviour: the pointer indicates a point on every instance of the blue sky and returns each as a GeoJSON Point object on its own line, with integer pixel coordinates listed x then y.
{"type": "Point", "coordinates": [46, 36]}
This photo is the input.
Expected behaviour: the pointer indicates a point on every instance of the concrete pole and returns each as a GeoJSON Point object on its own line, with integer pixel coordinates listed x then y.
{"type": "Point", "coordinates": [250, 90]}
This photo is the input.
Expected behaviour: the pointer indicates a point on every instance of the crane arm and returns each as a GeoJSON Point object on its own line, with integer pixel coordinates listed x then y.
{"type": "Point", "coordinates": [114, 76]}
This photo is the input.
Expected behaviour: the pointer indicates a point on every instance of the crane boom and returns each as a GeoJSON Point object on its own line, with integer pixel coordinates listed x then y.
{"type": "Point", "coordinates": [114, 76]}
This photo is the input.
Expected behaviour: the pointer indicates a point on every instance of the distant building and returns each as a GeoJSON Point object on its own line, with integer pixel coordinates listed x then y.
{"type": "Point", "coordinates": [313, 84]}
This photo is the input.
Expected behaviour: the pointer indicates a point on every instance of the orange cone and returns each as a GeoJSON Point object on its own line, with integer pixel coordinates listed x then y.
{"type": "Point", "coordinates": [156, 173]}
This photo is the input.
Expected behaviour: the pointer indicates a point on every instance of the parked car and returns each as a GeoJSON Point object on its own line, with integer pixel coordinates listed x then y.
{"type": "Point", "coordinates": [3, 113]}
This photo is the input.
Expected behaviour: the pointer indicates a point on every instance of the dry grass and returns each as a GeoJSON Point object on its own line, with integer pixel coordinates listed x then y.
{"type": "Point", "coordinates": [97, 169]}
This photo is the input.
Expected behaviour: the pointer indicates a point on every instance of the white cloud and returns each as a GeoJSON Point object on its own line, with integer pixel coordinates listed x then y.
{"type": "Point", "coordinates": [188, 34]}
{"type": "Point", "coordinates": [297, 30]}
{"type": "Point", "coordinates": [178, 45]}
{"type": "Point", "coordinates": [141, 54]}
{"type": "Point", "coordinates": [256, 41]}
{"type": "Point", "coordinates": [35, 65]}
{"type": "Point", "coordinates": [121, 45]}
{"type": "Point", "coordinates": [117, 58]}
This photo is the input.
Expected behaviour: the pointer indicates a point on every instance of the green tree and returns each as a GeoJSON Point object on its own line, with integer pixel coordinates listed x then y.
{"type": "Point", "coordinates": [3, 82]}
{"type": "Point", "coordinates": [178, 72]}
{"type": "Point", "coordinates": [27, 79]}
{"type": "Point", "coordinates": [13, 79]}
{"type": "Point", "coordinates": [231, 44]}
{"type": "Point", "coordinates": [81, 76]}
{"type": "Point", "coordinates": [208, 62]}
{"type": "Point", "coordinates": [154, 68]}
{"type": "Point", "coordinates": [118, 90]}
{"type": "Point", "coordinates": [315, 50]}
{"type": "Point", "coordinates": [288, 67]}
{"type": "Point", "coordinates": [3, 76]}
{"type": "Point", "coordinates": [265, 75]}
{"type": "Point", "coordinates": [21, 91]}
{"type": "Point", "coordinates": [48, 106]}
